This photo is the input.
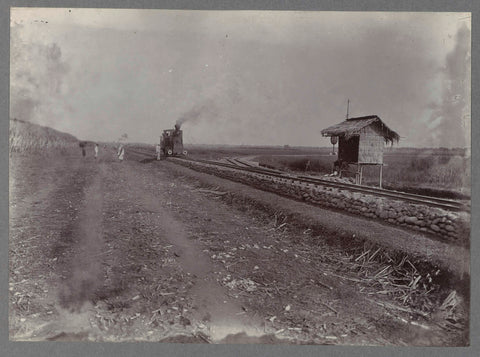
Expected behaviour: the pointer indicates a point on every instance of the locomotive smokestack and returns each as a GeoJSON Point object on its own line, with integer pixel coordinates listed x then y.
{"type": "Point", "coordinates": [177, 127]}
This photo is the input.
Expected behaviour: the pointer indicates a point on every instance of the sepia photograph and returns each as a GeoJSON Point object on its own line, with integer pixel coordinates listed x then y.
{"type": "Point", "coordinates": [239, 177]}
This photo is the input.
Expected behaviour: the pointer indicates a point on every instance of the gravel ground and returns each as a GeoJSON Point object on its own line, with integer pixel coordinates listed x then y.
{"type": "Point", "coordinates": [127, 251]}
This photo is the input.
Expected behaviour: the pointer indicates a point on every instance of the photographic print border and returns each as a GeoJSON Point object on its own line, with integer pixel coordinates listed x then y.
{"type": "Point", "coordinates": [150, 349]}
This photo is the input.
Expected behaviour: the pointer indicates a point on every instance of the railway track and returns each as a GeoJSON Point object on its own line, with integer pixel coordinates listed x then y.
{"type": "Point", "coordinates": [446, 204]}
{"type": "Point", "coordinates": [238, 162]}
{"type": "Point", "coordinates": [428, 200]}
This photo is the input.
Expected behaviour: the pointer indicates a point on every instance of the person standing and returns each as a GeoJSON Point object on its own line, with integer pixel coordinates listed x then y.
{"type": "Point", "coordinates": [82, 145]}
{"type": "Point", "coordinates": [307, 166]}
{"type": "Point", "coordinates": [96, 151]}
{"type": "Point", "coordinates": [121, 153]}
{"type": "Point", "coordinates": [157, 150]}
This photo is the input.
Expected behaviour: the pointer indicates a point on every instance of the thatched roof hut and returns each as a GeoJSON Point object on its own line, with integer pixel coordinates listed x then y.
{"type": "Point", "coordinates": [354, 126]}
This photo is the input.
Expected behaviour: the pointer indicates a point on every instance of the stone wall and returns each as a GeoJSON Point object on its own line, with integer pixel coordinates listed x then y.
{"type": "Point", "coordinates": [449, 226]}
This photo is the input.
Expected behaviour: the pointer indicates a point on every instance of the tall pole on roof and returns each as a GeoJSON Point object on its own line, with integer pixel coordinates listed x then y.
{"type": "Point", "coordinates": [348, 105]}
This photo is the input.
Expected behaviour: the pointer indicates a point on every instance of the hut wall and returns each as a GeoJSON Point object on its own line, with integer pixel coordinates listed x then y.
{"type": "Point", "coordinates": [370, 150]}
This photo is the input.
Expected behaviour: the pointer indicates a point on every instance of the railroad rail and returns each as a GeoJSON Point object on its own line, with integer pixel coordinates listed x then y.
{"type": "Point", "coordinates": [446, 204]}
{"type": "Point", "coordinates": [238, 162]}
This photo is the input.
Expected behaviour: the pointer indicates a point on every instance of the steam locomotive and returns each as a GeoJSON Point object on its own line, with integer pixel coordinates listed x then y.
{"type": "Point", "coordinates": [171, 142]}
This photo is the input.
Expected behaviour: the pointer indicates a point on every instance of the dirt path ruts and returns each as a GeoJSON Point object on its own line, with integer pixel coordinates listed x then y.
{"type": "Point", "coordinates": [221, 314]}
{"type": "Point", "coordinates": [85, 271]}
{"type": "Point", "coordinates": [81, 269]}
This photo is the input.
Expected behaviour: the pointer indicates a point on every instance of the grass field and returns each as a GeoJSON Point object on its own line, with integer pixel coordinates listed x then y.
{"type": "Point", "coordinates": [26, 137]}
{"type": "Point", "coordinates": [423, 171]}
{"type": "Point", "coordinates": [439, 171]}
{"type": "Point", "coordinates": [214, 152]}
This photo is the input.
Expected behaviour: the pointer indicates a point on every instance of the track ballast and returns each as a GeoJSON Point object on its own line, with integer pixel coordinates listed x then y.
{"type": "Point", "coordinates": [236, 164]}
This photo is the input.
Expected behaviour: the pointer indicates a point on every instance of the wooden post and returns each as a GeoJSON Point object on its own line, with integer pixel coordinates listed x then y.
{"type": "Point", "coordinates": [361, 174]}
{"type": "Point", "coordinates": [357, 174]}
{"type": "Point", "coordinates": [381, 174]}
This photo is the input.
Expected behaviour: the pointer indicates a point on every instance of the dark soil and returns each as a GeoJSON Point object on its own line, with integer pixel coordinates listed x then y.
{"type": "Point", "coordinates": [103, 250]}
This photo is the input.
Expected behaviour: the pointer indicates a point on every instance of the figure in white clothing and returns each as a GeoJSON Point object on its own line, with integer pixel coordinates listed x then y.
{"type": "Point", "coordinates": [157, 150]}
{"type": "Point", "coordinates": [96, 150]}
{"type": "Point", "coordinates": [121, 153]}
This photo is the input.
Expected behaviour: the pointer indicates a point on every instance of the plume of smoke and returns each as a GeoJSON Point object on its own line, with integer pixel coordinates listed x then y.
{"type": "Point", "coordinates": [205, 110]}
{"type": "Point", "coordinates": [449, 115]}
{"type": "Point", "coordinates": [36, 77]}
{"type": "Point", "coordinates": [123, 138]}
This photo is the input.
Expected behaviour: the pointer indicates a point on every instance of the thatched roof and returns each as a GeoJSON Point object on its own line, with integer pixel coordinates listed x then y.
{"type": "Point", "coordinates": [352, 126]}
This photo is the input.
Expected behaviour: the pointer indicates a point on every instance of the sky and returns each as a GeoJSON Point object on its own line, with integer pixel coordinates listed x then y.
{"type": "Point", "coordinates": [241, 77]}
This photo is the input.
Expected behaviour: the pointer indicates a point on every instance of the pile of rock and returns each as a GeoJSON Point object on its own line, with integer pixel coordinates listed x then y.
{"type": "Point", "coordinates": [447, 225]}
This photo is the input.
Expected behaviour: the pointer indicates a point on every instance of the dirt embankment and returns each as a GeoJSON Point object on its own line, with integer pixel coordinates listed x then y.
{"type": "Point", "coordinates": [26, 137]}
{"type": "Point", "coordinates": [348, 230]}
{"type": "Point", "coordinates": [110, 251]}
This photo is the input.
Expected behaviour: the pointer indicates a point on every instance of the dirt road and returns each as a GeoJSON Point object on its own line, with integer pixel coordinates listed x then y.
{"type": "Point", "coordinates": [127, 251]}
